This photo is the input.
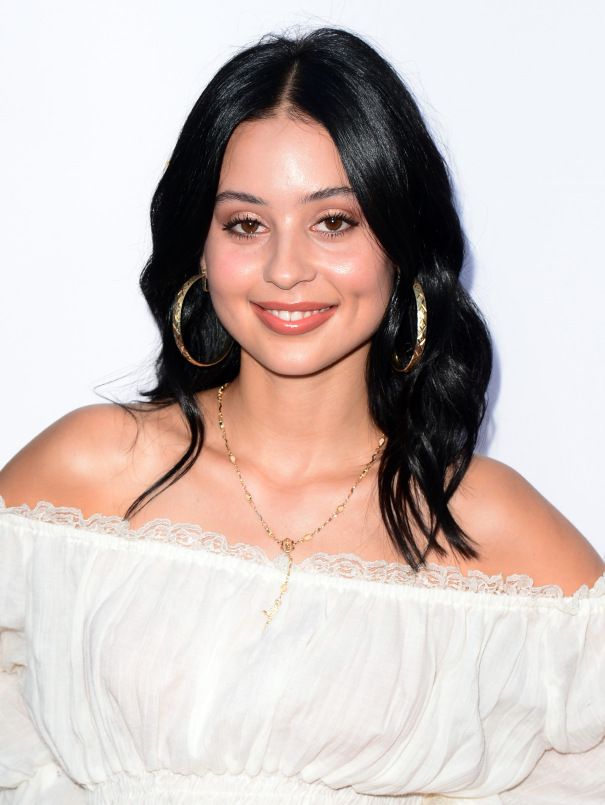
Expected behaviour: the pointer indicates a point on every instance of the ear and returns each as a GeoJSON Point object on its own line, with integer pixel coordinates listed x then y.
{"type": "Point", "coordinates": [204, 274]}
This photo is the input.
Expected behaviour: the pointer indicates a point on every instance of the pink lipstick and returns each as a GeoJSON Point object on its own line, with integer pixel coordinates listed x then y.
{"type": "Point", "coordinates": [293, 318]}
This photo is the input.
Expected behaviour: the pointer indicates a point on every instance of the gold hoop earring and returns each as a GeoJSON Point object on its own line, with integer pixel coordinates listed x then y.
{"type": "Point", "coordinates": [177, 310]}
{"type": "Point", "coordinates": [421, 324]}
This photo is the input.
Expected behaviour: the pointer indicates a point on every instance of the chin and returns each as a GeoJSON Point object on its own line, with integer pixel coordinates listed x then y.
{"type": "Point", "coordinates": [302, 365]}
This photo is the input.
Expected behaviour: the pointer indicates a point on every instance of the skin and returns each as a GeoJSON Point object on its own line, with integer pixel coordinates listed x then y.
{"type": "Point", "coordinates": [297, 416]}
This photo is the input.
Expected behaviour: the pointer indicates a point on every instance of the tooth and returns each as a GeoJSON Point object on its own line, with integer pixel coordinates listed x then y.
{"type": "Point", "coordinates": [296, 315]}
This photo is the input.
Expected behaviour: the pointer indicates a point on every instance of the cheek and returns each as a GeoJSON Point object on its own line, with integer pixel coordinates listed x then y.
{"type": "Point", "coordinates": [231, 270]}
{"type": "Point", "coordinates": [367, 280]}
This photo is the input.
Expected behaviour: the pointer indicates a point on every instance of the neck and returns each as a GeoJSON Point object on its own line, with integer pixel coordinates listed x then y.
{"type": "Point", "coordinates": [301, 427]}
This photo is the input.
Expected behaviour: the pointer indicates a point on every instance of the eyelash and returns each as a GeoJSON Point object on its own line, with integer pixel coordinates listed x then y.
{"type": "Point", "coordinates": [229, 226]}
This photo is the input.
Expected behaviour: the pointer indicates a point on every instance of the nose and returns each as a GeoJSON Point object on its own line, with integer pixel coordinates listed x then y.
{"type": "Point", "coordinates": [289, 262]}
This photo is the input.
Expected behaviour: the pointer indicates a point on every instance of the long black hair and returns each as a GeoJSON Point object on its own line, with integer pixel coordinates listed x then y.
{"type": "Point", "coordinates": [432, 415]}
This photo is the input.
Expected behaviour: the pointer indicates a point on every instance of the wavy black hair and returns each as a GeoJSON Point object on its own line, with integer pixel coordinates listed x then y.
{"type": "Point", "coordinates": [432, 415]}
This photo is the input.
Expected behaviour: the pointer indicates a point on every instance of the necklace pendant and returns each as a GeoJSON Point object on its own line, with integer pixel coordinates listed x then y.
{"type": "Point", "coordinates": [287, 545]}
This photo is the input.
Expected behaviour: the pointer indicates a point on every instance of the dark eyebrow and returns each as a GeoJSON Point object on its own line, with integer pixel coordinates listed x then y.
{"type": "Point", "coordinates": [328, 192]}
{"type": "Point", "coordinates": [318, 195]}
{"type": "Point", "coordinates": [232, 195]}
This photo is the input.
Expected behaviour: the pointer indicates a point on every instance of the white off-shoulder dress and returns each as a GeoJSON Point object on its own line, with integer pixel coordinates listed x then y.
{"type": "Point", "coordinates": [136, 668]}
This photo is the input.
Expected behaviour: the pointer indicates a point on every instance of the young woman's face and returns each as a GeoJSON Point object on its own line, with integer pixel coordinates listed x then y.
{"type": "Point", "coordinates": [288, 239]}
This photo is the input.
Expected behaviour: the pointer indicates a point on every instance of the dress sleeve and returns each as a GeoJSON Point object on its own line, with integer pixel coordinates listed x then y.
{"type": "Point", "coordinates": [572, 768]}
{"type": "Point", "coordinates": [28, 773]}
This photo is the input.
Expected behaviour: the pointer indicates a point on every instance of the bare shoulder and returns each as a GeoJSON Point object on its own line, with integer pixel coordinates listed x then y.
{"type": "Point", "coordinates": [97, 458]}
{"type": "Point", "coordinates": [520, 531]}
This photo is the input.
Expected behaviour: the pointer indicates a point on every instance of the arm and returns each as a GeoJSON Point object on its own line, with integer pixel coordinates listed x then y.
{"type": "Point", "coordinates": [82, 460]}
{"type": "Point", "coordinates": [28, 772]}
{"type": "Point", "coordinates": [79, 461]}
{"type": "Point", "coordinates": [519, 531]}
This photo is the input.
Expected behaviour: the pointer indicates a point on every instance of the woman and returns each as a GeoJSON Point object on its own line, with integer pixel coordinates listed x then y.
{"type": "Point", "coordinates": [368, 607]}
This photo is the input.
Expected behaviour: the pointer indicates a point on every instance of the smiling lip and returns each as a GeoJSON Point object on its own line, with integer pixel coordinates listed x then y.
{"type": "Point", "coordinates": [293, 327]}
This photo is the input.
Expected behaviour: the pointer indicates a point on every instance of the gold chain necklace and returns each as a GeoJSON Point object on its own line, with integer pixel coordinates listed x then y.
{"type": "Point", "coordinates": [287, 545]}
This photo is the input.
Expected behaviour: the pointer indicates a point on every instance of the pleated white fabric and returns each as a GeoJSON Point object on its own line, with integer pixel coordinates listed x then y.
{"type": "Point", "coordinates": [136, 667]}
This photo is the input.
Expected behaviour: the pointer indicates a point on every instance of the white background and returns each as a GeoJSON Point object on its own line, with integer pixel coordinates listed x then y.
{"type": "Point", "coordinates": [93, 95]}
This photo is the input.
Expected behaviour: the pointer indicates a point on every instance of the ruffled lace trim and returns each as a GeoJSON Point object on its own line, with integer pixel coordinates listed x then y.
{"type": "Point", "coordinates": [348, 565]}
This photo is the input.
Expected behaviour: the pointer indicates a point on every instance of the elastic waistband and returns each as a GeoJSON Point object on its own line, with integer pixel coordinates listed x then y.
{"type": "Point", "coordinates": [167, 788]}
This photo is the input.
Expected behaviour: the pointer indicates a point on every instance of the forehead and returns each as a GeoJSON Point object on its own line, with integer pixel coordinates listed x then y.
{"type": "Point", "coordinates": [282, 156]}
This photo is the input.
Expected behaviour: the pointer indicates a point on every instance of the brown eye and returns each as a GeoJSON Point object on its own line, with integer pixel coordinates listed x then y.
{"type": "Point", "coordinates": [243, 227]}
{"type": "Point", "coordinates": [333, 223]}
{"type": "Point", "coordinates": [249, 226]}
